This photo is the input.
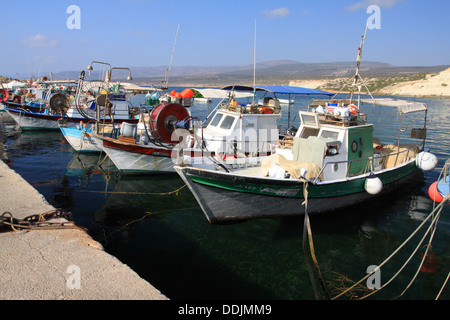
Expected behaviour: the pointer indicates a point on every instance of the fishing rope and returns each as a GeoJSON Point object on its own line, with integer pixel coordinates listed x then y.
{"type": "Point", "coordinates": [135, 193]}
{"type": "Point", "coordinates": [435, 219]}
{"type": "Point", "coordinates": [307, 232]}
{"type": "Point", "coordinates": [445, 283]}
{"type": "Point", "coordinates": [439, 207]}
{"type": "Point", "coordinates": [108, 236]}
{"type": "Point", "coordinates": [433, 226]}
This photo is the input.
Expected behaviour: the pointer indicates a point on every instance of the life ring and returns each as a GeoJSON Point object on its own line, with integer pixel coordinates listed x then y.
{"type": "Point", "coordinates": [354, 146]}
{"type": "Point", "coordinates": [352, 108]}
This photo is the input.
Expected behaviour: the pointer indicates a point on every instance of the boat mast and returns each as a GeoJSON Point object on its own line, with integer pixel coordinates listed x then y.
{"type": "Point", "coordinates": [166, 80]}
{"type": "Point", "coordinates": [357, 76]}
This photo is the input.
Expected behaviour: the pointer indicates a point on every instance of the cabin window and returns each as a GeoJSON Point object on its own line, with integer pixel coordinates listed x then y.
{"type": "Point", "coordinates": [215, 121]}
{"type": "Point", "coordinates": [309, 120]}
{"type": "Point", "coordinates": [330, 134]}
{"type": "Point", "coordinates": [309, 132]}
{"type": "Point", "coordinates": [227, 123]}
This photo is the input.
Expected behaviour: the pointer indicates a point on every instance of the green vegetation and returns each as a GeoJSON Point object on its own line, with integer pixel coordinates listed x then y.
{"type": "Point", "coordinates": [374, 83]}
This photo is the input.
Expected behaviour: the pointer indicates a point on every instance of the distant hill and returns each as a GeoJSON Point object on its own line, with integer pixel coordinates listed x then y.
{"type": "Point", "coordinates": [269, 72]}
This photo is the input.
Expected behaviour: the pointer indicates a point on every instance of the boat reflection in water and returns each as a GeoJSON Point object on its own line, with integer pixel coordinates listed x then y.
{"type": "Point", "coordinates": [136, 197]}
{"type": "Point", "coordinates": [84, 164]}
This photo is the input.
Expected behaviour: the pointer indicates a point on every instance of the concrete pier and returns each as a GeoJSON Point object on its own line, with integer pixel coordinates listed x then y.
{"type": "Point", "coordinates": [57, 264]}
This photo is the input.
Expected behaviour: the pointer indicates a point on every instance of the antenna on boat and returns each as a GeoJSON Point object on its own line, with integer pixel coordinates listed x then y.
{"type": "Point", "coordinates": [357, 76]}
{"type": "Point", "coordinates": [254, 67]}
{"type": "Point", "coordinates": [166, 80]}
{"type": "Point", "coordinates": [359, 58]}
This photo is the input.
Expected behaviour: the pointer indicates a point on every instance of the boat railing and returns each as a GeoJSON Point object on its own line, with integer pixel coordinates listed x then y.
{"type": "Point", "coordinates": [359, 119]}
{"type": "Point", "coordinates": [374, 164]}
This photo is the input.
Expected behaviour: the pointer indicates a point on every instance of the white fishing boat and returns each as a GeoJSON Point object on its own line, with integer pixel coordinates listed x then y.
{"type": "Point", "coordinates": [108, 102]}
{"type": "Point", "coordinates": [146, 149]}
{"type": "Point", "coordinates": [152, 146]}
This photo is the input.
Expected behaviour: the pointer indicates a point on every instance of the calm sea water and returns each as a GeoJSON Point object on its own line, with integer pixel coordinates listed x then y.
{"type": "Point", "coordinates": [164, 236]}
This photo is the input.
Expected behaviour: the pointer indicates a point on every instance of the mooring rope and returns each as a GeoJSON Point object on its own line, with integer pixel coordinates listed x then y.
{"type": "Point", "coordinates": [435, 219]}
{"type": "Point", "coordinates": [307, 232]}
{"type": "Point", "coordinates": [443, 286]}
{"type": "Point", "coordinates": [435, 213]}
{"type": "Point", "coordinates": [135, 192]}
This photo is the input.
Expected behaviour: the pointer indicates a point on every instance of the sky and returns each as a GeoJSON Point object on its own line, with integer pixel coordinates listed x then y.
{"type": "Point", "coordinates": [48, 35]}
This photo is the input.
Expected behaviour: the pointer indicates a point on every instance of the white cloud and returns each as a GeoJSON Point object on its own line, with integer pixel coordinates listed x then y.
{"type": "Point", "coordinates": [366, 3]}
{"type": "Point", "coordinates": [39, 41]}
{"type": "Point", "coordinates": [277, 13]}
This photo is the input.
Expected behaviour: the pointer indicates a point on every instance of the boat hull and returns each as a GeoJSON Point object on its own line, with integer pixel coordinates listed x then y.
{"type": "Point", "coordinates": [41, 121]}
{"type": "Point", "coordinates": [225, 198]}
{"type": "Point", "coordinates": [80, 140]}
{"type": "Point", "coordinates": [33, 121]}
{"type": "Point", "coordinates": [136, 159]}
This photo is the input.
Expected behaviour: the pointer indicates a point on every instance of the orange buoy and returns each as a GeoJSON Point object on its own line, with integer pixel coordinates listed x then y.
{"type": "Point", "coordinates": [187, 93]}
{"type": "Point", "coordinates": [434, 193]}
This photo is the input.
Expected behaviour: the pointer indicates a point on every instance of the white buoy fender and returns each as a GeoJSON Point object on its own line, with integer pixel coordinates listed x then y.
{"type": "Point", "coordinates": [426, 161]}
{"type": "Point", "coordinates": [373, 184]}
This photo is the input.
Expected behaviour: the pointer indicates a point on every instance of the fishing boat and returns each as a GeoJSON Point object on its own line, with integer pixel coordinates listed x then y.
{"type": "Point", "coordinates": [90, 96]}
{"type": "Point", "coordinates": [249, 127]}
{"type": "Point", "coordinates": [146, 147]}
{"type": "Point", "coordinates": [154, 145]}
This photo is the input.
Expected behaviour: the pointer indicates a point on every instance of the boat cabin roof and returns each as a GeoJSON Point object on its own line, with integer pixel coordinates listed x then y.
{"type": "Point", "coordinates": [403, 106]}
{"type": "Point", "coordinates": [278, 89]}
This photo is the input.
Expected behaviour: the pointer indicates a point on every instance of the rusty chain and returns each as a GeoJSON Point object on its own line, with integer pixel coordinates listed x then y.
{"type": "Point", "coordinates": [39, 221]}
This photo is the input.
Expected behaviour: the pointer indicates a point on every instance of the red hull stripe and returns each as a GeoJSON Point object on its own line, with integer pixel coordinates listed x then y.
{"type": "Point", "coordinates": [137, 149]}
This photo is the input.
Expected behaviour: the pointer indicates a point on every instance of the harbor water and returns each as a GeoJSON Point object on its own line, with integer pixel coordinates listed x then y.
{"type": "Point", "coordinates": [154, 225]}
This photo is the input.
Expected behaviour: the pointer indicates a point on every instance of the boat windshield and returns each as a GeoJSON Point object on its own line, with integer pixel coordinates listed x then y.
{"type": "Point", "coordinates": [215, 121]}
{"type": "Point", "coordinates": [227, 122]}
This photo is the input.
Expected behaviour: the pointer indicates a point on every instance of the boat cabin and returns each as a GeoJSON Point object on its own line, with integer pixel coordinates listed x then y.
{"type": "Point", "coordinates": [321, 141]}
{"type": "Point", "coordinates": [241, 130]}
{"type": "Point", "coordinates": [337, 139]}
